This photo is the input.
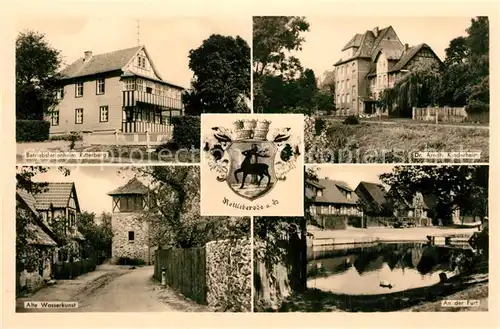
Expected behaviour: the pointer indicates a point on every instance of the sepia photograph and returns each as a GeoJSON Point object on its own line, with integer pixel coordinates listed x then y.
{"type": "Point", "coordinates": [378, 238]}
{"type": "Point", "coordinates": [125, 91]}
{"type": "Point", "coordinates": [126, 239]}
{"type": "Point", "coordinates": [378, 89]}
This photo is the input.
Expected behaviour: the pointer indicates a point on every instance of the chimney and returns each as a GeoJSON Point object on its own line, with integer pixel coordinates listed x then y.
{"type": "Point", "coordinates": [88, 55]}
{"type": "Point", "coordinates": [406, 46]}
{"type": "Point", "coordinates": [375, 31]}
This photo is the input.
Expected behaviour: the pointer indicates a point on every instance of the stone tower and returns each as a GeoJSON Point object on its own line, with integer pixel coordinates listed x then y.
{"type": "Point", "coordinates": [130, 234]}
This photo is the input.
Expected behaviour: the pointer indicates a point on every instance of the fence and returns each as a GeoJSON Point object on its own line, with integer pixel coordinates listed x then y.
{"type": "Point", "coordinates": [119, 138]}
{"type": "Point", "coordinates": [217, 275]}
{"type": "Point", "coordinates": [68, 271]}
{"type": "Point", "coordinates": [448, 114]}
{"type": "Point", "coordinates": [185, 271]}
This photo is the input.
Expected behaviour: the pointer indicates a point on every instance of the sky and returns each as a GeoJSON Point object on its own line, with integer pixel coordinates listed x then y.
{"type": "Point", "coordinates": [354, 174]}
{"type": "Point", "coordinates": [168, 40]}
{"type": "Point", "coordinates": [328, 35]}
{"type": "Point", "coordinates": [92, 184]}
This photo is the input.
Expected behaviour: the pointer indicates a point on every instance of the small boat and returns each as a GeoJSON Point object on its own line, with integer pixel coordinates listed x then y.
{"type": "Point", "coordinates": [385, 284]}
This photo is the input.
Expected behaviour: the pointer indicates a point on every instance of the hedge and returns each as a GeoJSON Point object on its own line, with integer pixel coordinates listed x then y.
{"type": "Point", "coordinates": [351, 120]}
{"type": "Point", "coordinates": [32, 130]}
{"type": "Point", "coordinates": [186, 131]}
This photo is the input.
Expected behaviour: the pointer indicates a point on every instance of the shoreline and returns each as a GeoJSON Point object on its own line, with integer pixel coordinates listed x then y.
{"type": "Point", "coordinates": [355, 236]}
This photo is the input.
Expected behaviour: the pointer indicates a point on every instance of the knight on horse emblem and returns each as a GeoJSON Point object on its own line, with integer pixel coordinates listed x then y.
{"type": "Point", "coordinates": [247, 159]}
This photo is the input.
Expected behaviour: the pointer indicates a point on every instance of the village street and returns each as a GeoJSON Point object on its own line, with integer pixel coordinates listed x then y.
{"type": "Point", "coordinates": [113, 289]}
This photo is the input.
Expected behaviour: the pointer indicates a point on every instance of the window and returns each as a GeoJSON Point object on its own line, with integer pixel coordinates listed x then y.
{"type": "Point", "coordinates": [79, 116]}
{"type": "Point", "coordinates": [131, 203]}
{"type": "Point", "coordinates": [141, 61]}
{"type": "Point", "coordinates": [71, 219]}
{"type": "Point", "coordinates": [79, 89]}
{"type": "Point", "coordinates": [100, 87]}
{"type": "Point", "coordinates": [103, 113]}
{"type": "Point", "coordinates": [55, 118]}
{"type": "Point", "coordinates": [149, 87]}
{"type": "Point", "coordinates": [131, 236]}
{"type": "Point", "coordinates": [60, 93]}
{"type": "Point", "coordinates": [141, 86]}
{"type": "Point", "coordinates": [130, 84]}
{"type": "Point", "coordinates": [348, 97]}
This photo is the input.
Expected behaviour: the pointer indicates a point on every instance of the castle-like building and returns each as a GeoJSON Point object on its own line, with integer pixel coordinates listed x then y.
{"type": "Point", "coordinates": [371, 62]}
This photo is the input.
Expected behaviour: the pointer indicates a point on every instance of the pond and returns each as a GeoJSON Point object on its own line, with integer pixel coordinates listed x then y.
{"type": "Point", "coordinates": [380, 268]}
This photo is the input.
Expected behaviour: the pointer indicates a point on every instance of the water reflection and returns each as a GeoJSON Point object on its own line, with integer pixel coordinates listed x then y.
{"type": "Point", "coordinates": [381, 268]}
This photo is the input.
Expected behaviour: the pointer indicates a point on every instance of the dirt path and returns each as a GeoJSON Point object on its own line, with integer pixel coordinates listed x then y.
{"type": "Point", "coordinates": [131, 292]}
{"type": "Point", "coordinates": [113, 289]}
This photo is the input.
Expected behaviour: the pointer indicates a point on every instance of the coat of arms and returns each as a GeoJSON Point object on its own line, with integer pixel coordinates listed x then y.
{"type": "Point", "coordinates": [250, 157]}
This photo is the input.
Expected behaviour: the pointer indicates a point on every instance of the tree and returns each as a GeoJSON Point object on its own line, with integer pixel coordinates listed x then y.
{"type": "Point", "coordinates": [325, 97]}
{"type": "Point", "coordinates": [98, 236]}
{"type": "Point", "coordinates": [418, 88]}
{"type": "Point", "coordinates": [174, 211]}
{"type": "Point", "coordinates": [273, 38]}
{"type": "Point", "coordinates": [466, 71]}
{"type": "Point", "coordinates": [221, 82]}
{"type": "Point", "coordinates": [453, 186]}
{"type": "Point", "coordinates": [25, 253]}
{"type": "Point", "coordinates": [37, 64]}
{"type": "Point", "coordinates": [276, 73]}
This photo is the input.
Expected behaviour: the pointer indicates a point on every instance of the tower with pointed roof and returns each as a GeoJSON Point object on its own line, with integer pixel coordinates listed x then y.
{"type": "Point", "coordinates": [130, 231]}
{"type": "Point", "coordinates": [371, 62]}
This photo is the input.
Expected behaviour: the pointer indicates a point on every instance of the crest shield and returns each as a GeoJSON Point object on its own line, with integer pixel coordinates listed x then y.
{"type": "Point", "coordinates": [251, 168]}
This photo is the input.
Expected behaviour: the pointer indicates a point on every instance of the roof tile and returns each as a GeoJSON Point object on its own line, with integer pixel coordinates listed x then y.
{"type": "Point", "coordinates": [56, 194]}
{"type": "Point", "coordinates": [133, 186]}
{"type": "Point", "coordinates": [332, 192]}
{"type": "Point", "coordinates": [100, 63]}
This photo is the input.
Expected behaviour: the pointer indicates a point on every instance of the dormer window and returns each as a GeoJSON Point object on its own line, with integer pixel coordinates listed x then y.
{"type": "Point", "coordinates": [348, 195]}
{"type": "Point", "coordinates": [319, 193]}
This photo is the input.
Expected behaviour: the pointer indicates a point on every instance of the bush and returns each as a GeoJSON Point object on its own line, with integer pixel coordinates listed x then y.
{"type": "Point", "coordinates": [131, 261]}
{"type": "Point", "coordinates": [475, 107]}
{"type": "Point", "coordinates": [351, 120]}
{"type": "Point", "coordinates": [67, 137]}
{"type": "Point", "coordinates": [332, 222]}
{"type": "Point", "coordinates": [32, 130]}
{"type": "Point", "coordinates": [171, 146]}
{"type": "Point", "coordinates": [186, 131]}
{"type": "Point", "coordinates": [319, 125]}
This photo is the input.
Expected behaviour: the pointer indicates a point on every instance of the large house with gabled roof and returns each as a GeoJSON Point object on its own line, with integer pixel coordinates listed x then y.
{"type": "Point", "coordinates": [55, 205]}
{"type": "Point", "coordinates": [371, 62]}
{"type": "Point", "coordinates": [120, 91]}
{"type": "Point", "coordinates": [331, 198]}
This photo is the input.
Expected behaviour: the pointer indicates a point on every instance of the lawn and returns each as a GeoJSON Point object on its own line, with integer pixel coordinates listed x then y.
{"type": "Point", "coordinates": [396, 143]}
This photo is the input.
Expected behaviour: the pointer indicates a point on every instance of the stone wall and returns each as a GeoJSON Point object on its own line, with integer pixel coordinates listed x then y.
{"type": "Point", "coordinates": [228, 267]}
{"type": "Point", "coordinates": [122, 223]}
{"type": "Point", "coordinates": [31, 281]}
